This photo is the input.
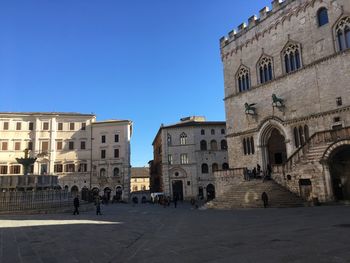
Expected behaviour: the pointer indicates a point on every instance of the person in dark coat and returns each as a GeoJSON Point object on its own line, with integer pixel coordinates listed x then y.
{"type": "Point", "coordinates": [265, 199]}
{"type": "Point", "coordinates": [98, 206]}
{"type": "Point", "coordinates": [76, 205]}
{"type": "Point", "coordinates": [175, 201]}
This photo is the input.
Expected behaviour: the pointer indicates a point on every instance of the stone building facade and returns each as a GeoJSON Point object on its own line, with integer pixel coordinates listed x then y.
{"type": "Point", "coordinates": [299, 53]}
{"type": "Point", "coordinates": [139, 179]}
{"type": "Point", "coordinates": [69, 145]}
{"type": "Point", "coordinates": [185, 156]}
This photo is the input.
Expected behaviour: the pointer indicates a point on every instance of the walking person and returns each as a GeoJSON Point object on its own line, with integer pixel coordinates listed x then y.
{"type": "Point", "coordinates": [98, 206]}
{"type": "Point", "coordinates": [265, 199]}
{"type": "Point", "coordinates": [175, 201]}
{"type": "Point", "coordinates": [76, 205]}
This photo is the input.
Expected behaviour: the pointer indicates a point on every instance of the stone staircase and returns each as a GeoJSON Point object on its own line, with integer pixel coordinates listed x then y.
{"type": "Point", "coordinates": [247, 194]}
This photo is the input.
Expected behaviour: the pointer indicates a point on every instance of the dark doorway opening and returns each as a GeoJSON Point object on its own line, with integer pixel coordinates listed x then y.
{"type": "Point", "coordinates": [339, 166]}
{"type": "Point", "coordinates": [178, 189]}
{"type": "Point", "coordinates": [210, 192]}
{"type": "Point", "coordinates": [305, 188]}
{"type": "Point", "coordinates": [276, 146]}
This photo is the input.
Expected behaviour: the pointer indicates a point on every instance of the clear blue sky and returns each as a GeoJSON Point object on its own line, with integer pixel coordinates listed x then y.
{"type": "Point", "coordinates": [150, 61]}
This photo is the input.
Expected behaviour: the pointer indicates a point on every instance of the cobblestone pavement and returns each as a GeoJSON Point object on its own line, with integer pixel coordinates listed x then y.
{"type": "Point", "coordinates": [151, 233]}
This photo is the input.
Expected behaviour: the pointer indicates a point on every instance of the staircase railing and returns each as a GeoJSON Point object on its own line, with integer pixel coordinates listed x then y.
{"type": "Point", "coordinates": [317, 138]}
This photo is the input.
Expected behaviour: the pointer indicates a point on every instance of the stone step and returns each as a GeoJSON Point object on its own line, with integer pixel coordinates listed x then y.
{"type": "Point", "coordinates": [248, 195]}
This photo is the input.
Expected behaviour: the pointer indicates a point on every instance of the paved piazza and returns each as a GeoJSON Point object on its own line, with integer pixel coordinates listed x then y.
{"type": "Point", "coordinates": [151, 233]}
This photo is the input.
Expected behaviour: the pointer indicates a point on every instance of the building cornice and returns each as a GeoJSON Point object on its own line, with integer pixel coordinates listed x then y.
{"type": "Point", "coordinates": [38, 114]}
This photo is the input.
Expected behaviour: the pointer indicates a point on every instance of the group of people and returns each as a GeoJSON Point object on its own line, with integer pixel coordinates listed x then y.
{"type": "Point", "coordinates": [76, 204]}
{"type": "Point", "coordinates": [257, 173]}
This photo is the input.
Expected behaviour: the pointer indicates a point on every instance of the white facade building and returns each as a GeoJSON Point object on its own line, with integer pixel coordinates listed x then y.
{"type": "Point", "coordinates": [68, 145]}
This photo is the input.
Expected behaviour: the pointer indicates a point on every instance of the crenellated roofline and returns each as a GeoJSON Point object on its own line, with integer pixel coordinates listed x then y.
{"type": "Point", "coordinates": [253, 21]}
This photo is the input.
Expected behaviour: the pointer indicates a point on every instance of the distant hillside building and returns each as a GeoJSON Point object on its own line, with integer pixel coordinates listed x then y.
{"type": "Point", "coordinates": [85, 154]}
{"type": "Point", "coordinates": [287, 95]}
{"type": "Point", "coordinates": [185, 156]}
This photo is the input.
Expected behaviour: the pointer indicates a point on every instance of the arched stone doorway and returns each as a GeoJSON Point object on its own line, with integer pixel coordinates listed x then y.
{"type": "Point", "coordinates": [339, 168]}
{"type": "Point", "coordinates": [74, 190]}
{"type": "Point", "coordinates": [107, 193]}
{"type": "Point", "coordinates": [276, 148]}
{"type": "Point", "coordinates": [210, 192]}
{"type": "Point", "coordinates": [118, 193]}
{"type": "Point", "coordinates": [272, 139]}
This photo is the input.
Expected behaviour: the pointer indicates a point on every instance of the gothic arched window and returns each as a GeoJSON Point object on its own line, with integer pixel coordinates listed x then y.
{"type": "Point", "coordinates": [243, 79]}
{"type": "Point", "coordinates": [183, 138]}
{"type": "Point", "coordinates": [296, 137]}
{"type": "Point", "coordinates": [116, 171]}
{"type": "Point", "coordinates": [306, 132]}
{"type": "Point", "coordinates": [301, 135]}
{"type": "Point", "coordinates": [103, 172]}
{"type": "Point", "coordinates": [252, 145]}
{"type": "Point", "coordinates": [292, 57]}
{"type": "Point", "coordinates": [322, 16]}
{"type": "Point", "coordinates": [225, 166]}
{"type": "Point", "coordinates": [205, 168]}
{"type": "Point", "coordinates": [342, 31]}
{"type": "Point", "coordinates": [203, 145]}
{"type": "Point", "coordinates": [244, 147]}
{"type": "Point", "coordinates": [265, 69]}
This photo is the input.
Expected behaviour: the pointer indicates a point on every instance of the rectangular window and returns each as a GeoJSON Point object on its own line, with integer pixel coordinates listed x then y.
{"type": "Point", "coordinates": [17, 146]}
{"type": "Point", "coordinates": [83, 126]}
{"type": "Point", "coordinates": [170, 159]}
{"type": "Point", "coordinates": [103, 154]}
{"type": "Point", "coordinates": [70, 168]}
{"type": "Point", "coordinates": [103, 139]}
{"type": "Point", "coordinates": [30, 146]}
{"type": "Point", "coordinates": [31, 126]}
{"type": "Point", "coordinates": [15, 169]}
{"type": "Point", "coordinates": [71, 126]}
{"type": "Point", "coordinates": [71, 145]}
{"type": "Point", "coordinates": [44, 146]}
{"type": "Point", "coordinates": [339, 101]}
{"type": "Point", "coordinates": [60, 126]}
{"type": "Point", "coordinates": [6, 126]}
{"type": "Point", "coordinates": [18, 126]}
{"type": "Point", "coordinates": [116, 153]}
{"type": "Point", "coordinates": [4, 146]}
{"type": "Point", "coordinates": [82, 145]}
{"type": "Point", "coordinates": [58, 168]}
{"type": "Point", "coordinates": [45, 126]}
{"type": "Point", "coordinates": [184, 158]}
{"type": "Point", "coordinates": [82, 167]}
{"type": "Point", "coordinates": [116, 137]}
{"type": "Point", "coordinates": [3, 169]}
{"type": "Point", "coordinates": [59, 145]}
